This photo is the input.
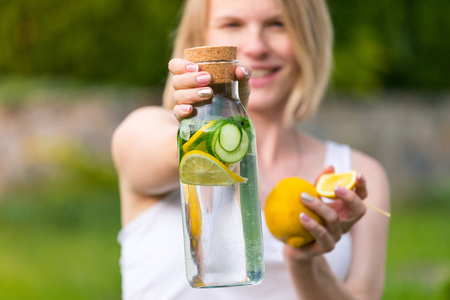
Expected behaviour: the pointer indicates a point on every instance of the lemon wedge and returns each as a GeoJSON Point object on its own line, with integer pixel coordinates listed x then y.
{"type": "Point", "coordinates": [327, 183]}
{"type": "Point", "coordinates": [200, 168]}
{"type": "Point", "coordinates": [194, 213]}
{"type": "Point", "coordinates": [196, 137]}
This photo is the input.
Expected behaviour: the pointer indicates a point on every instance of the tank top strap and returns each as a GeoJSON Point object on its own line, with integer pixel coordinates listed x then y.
{"type": "Point", "coordinates": [339, 156]}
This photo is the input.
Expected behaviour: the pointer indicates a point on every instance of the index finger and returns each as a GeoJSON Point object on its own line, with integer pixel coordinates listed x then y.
{"type": "Point", "coordinates": [178, 66]}
{"type": "Point", "coordinates": [361, 188]}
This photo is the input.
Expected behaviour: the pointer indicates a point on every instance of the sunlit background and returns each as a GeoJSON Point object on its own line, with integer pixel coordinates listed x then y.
{"type": "Point", "coordinates": [70, 71]}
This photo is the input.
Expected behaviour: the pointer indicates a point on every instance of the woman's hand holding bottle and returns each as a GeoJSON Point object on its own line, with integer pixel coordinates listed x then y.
{"type": "Point", "coordinates": [191, 85]}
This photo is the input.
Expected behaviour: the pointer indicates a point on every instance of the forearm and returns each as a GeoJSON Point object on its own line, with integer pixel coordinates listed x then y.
{"type": "Point", "coordinates": [314, 280]}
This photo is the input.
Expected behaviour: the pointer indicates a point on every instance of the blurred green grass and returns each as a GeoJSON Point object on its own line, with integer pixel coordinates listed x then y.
{"type": "Point", "coordinates": [58, 234]}
{"type": "Point", "coordinates": [418, 264]}
{"type": "Point", "coordinates": [60, 248]}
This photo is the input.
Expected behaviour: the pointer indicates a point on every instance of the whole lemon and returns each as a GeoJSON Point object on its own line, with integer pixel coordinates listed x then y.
{"type": "Point", "coordinates": [282, 211]}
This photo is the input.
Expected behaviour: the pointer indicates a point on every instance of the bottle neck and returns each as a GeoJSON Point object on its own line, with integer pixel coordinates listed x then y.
{"type": "Point", "coordinates": [228, 90]}
{"type": "Point", "coordinates": [225, 100]}
{"type": "Point", "coordinates": [223, 75]}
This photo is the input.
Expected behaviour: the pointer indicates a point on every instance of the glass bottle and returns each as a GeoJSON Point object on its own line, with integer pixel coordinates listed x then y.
{"type": "Point", "coordinates": [218, 181]}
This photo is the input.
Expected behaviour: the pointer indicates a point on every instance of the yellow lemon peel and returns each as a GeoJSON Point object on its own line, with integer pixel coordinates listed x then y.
{"type": "Point", "coordinates": [282, 211]}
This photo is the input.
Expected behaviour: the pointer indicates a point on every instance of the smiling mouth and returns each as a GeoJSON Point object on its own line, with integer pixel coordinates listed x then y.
{"type": "Point", "coordinates": [260, 73]}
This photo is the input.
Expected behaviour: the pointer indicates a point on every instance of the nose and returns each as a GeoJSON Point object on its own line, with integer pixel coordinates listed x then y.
{"type": "Point", "coordinates": [255, 46]}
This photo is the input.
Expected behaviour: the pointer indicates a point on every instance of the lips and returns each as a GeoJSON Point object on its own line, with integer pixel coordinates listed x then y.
{"type": "Point", "coordinates": [259, 73]}
{"type": "Point", "coordinates": [263, 76]}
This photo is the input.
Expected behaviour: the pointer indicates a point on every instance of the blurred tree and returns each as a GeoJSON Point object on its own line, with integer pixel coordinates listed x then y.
{"type": "Point", "coordinates": [385, 44]}
{"type": "Point", "coordinates": [95, 40]}
{"type": "Point", "coordinates": [391, 44]}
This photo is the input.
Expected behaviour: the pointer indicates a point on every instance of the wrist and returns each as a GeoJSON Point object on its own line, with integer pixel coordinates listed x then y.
{"type": "Point", "coordinates": [299, 255]}
{"type": "Point", "coordinates": [309, 267]}
{"type": "Point", "coordinates": [302, 262]}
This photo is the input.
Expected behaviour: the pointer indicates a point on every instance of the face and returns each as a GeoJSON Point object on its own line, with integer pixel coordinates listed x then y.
{"type": "Point", "coordinates": [257, 29]}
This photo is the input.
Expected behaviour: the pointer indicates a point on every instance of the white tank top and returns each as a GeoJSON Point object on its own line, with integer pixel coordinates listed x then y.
{"type": "Point", "coordinates": [152, 253]}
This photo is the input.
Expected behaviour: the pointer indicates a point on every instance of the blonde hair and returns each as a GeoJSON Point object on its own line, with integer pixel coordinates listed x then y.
{"type": "Point", "coordinates": [309, 25]}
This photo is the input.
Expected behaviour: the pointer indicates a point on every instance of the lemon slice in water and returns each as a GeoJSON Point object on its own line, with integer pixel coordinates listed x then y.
{"type": "Point", "coordinates": [200, 168]}
{"type": "Point", "coordinates": [196, 137]}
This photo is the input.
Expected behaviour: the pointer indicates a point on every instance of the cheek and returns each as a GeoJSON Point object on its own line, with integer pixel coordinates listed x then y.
{"type": "Point", "coordinates": [280, 43]}
{"type": "Point", "coordinates": [210, 38]}
{"type": "Point", "coordinates": [218, 38]}
{"type": "Point", "coordinates": [286, 52]}
{"type": "Point", "coordinates": [285, 49]}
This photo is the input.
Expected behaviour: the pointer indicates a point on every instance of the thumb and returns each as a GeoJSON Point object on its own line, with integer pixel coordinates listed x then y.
{"type": "Point", "coordinates": [243, 74]}
{"type": "Point", "coordinates": [244, 92]}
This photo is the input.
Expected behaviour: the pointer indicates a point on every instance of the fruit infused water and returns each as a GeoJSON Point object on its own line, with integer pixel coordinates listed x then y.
{"type": "Point", "coordinates": [219, 187]}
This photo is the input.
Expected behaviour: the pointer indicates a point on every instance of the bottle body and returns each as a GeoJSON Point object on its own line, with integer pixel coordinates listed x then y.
{"type": "Point", "coordinates": [219, 193]}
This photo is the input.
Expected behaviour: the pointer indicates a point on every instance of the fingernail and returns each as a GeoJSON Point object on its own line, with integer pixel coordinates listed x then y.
{"type": "Point", "coordinates": [192, 68]}
{"type": "Point", "coordinates": [340, 191]}
{"type": "Point", "coordinates": [244, 70]}
{"type": "Point", "coordinates": [185, 107]}
{"type": "Point", "coordinates": [202, 79]}
{"type": "Point", "coordinates": [360, 177]}
{"type": "Point", "coordinates": [204, 93]}
{"type": "Point", "coordinates": [307, 197]}
{"type": "Point", "coordinates": [305, 217]}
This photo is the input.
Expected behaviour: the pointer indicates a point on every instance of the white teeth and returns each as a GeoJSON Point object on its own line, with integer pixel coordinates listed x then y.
{"type": "Point", "coordinates": [260, 73]}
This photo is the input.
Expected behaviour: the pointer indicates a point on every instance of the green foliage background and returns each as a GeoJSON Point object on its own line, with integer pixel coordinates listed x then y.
{"type": "Point", "coordinates": [91, 40]}
{"type": "Point", "coordinates": [391, 44]}
{"type": "Point", "coordinates": [396, 44]}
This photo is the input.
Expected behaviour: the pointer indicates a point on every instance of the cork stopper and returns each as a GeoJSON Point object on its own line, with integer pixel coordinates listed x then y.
{"type": "Point", "coordinates": [219, 61]}
{"type": "Point", "coordinates": [217, 53]}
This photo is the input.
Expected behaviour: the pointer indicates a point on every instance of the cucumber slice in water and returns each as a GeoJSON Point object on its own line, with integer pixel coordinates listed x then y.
{"type": "Point", "coordinates": [212, 143]}
{"type": "Point", "coordinates": [229, 137]}
{"type": "Point", "coordinates": [235, 155]}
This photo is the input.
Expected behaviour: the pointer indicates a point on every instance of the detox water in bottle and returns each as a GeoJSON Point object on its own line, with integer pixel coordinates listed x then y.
{"type": "Point", "coordinates": [219, 186]}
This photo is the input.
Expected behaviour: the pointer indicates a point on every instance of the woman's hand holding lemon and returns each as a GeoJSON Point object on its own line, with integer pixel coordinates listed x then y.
{"type": "Point", "coordinates": [347, 201]}
{"type": "Point", "coordinates": [324, 222]}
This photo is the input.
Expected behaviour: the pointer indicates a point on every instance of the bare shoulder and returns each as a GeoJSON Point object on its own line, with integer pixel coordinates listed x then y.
{"type": "Point", "coordinates": [367, 163]}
